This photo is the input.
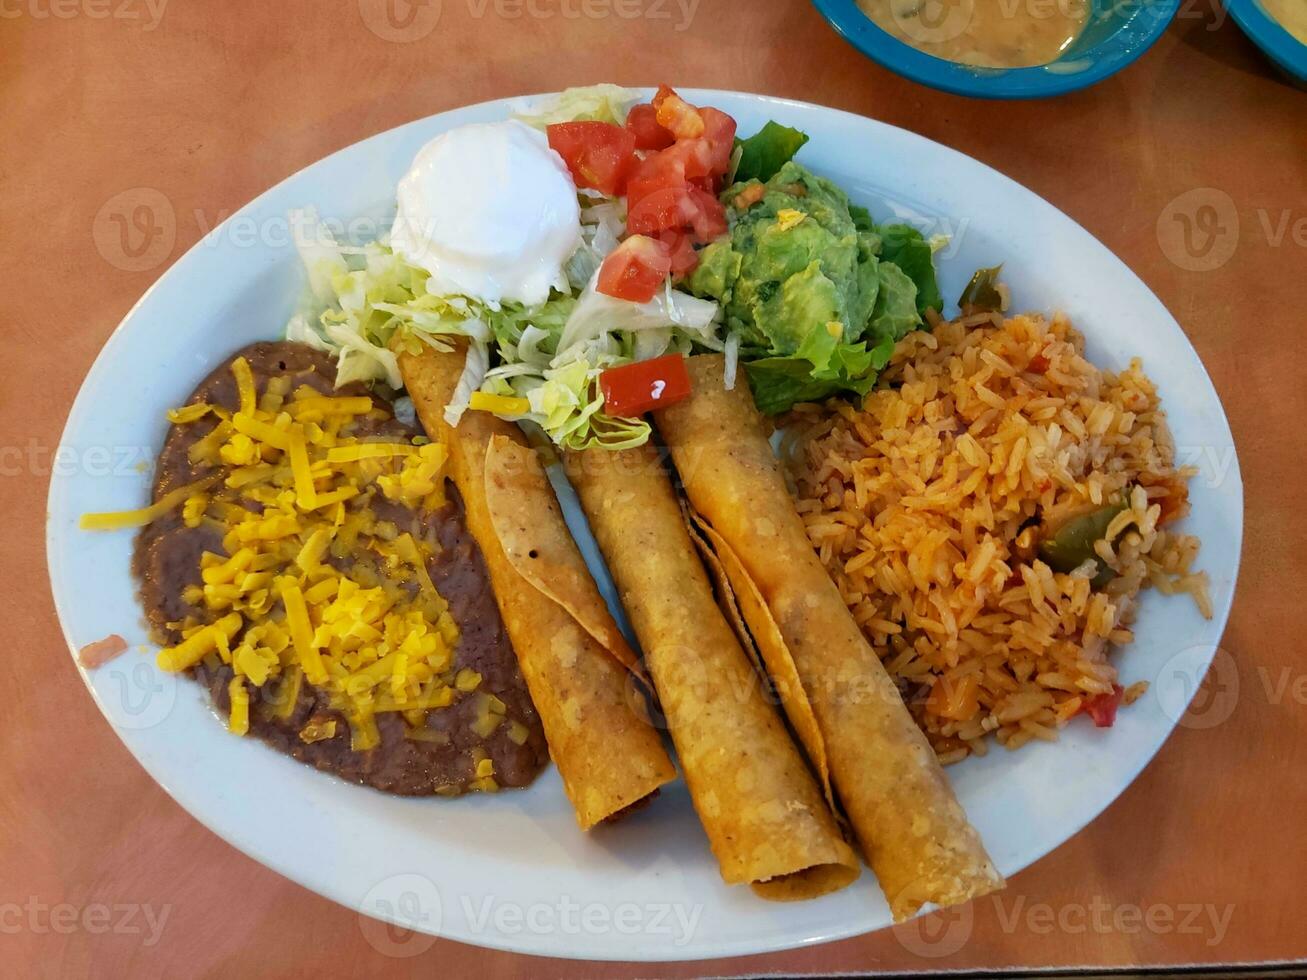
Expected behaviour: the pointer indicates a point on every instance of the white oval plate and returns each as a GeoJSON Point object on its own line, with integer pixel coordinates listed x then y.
{"type": "Point", "coordinates": [511, 870]}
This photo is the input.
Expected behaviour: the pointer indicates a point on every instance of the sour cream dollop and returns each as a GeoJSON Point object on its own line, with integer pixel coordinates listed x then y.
{"type": "Point", "coordinates": [491, 212]}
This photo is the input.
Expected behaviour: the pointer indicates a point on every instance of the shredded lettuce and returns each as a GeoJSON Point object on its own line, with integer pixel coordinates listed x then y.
{"type": "Point", "coordinates": [808, 295]}
{"type": "Point", "coordinates": [474, 373]}
{"type": "Point", "coordinates": [603, 222]}
{"type": "Point", "coordinates": [363, 299]}
{"type": "Point", "coordinates": [567, 403]}
{"type": "Point", "coordinates": [601, 103]}
{"type": "Point", "coordinates": [597, 314]}
{"type": "Point", "coordinates": [732, 361]}
{"type": "Point", "coordinates": [320, 253]}
{"type": "Point", "coordinates": [555, 360]}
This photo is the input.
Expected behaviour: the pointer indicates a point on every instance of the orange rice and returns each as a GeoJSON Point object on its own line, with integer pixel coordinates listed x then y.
{"type": "Point", "coordinates": [916, 504]}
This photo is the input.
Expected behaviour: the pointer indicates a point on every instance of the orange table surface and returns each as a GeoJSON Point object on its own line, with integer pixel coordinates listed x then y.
{"type": "Point", "coordinates": [1191, 165]}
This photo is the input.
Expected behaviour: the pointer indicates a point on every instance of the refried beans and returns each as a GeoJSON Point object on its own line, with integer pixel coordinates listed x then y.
{"type": "Point", "coordinates": [444, 757]}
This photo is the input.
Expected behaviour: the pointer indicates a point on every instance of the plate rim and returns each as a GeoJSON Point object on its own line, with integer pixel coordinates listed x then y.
{"type": "Point", "coordinates": [525, 943]}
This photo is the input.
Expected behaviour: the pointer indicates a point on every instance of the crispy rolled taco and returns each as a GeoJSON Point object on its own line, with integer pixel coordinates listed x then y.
{"type": "Point", "coordinates": [842, 703]}
{"type": "Point", "coordinates": [765, 817]}
{"type": "Point", "coordinates": [577, 667]}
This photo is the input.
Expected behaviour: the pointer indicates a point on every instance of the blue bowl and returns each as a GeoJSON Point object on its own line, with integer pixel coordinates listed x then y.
{"type": "Point", "coordinates": [1286, 51]}
{"type": "Point", "coordinates": [1118, 32]}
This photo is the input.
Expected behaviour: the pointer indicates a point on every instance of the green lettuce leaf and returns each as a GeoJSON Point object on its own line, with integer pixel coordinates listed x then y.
{"type": "Point", "coordinates": [766, 151]}
{"type": "Point", "coordinates": [779, 383]}
{"type": "Point", "coordinates": [862, 219]}
{"type": "Point", "coordinates": [895, 314]}
{"type": "Point", "coordinates": [908, 249]}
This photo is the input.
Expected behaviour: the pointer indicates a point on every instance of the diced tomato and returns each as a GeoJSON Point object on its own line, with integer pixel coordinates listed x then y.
{"type": "Point", "coordinates": [709, 217]}
{"type": "Point", "coordinates": [635, 269]}
{"type": "Point", "coordinates": [691, 158]}
{"type": "Point", "coordinates": [1173, 506]}
{"type": "Point", "coordinates": [750, 196]}
{"type": "Point", "coordinates": [676, 115]}
{"type": "Point", "coordinates": [100, 652]}
{"type": "Point", "coordinates": [661, 210]}
{"type": "Point", "coordinates": [1102, 707]}
{"type": "Point", "coordinates": [643, 123]}
{"type": "Point", "coordinates": [599, 154]}
{"type": "Point", "coordinates": [673, 191]}
{"type": "Point", "coordinates": [681, 252]}
{"type": "Point", "coordinates": [654, 173]}
{"type": "Point", "coordinates": [676, 208]}
{"type": "Point", "coordinates": [633, 389]}
{"type": "Point", "coordinates": [674, 167]}
{"type": "Point", "coordinates": [719, 131]}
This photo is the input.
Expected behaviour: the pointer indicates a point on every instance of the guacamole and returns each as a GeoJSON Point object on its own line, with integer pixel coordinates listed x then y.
{"type": "Point", "coordinates": [817, 293]}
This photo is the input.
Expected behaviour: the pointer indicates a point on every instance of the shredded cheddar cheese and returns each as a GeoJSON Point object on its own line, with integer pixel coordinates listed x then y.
{"type": "Point", "coordinates": [312, 586]}
{"type": "Point", "coordinates": [787, 218]}
{"type": "Point", "coordinates": [190, 413]}
{"type": "Point", "coordinates": [239, 722]}
{"type": "Point", "coordinates": [139, 518]}
{"type": "Point", "coordinates": [484, 401]}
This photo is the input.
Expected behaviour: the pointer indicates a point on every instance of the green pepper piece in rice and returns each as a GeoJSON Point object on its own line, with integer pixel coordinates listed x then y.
{"type": "Point", "coordinates": [1072, 544]}
{"type": "Point", "coordinates": [982, 294]}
